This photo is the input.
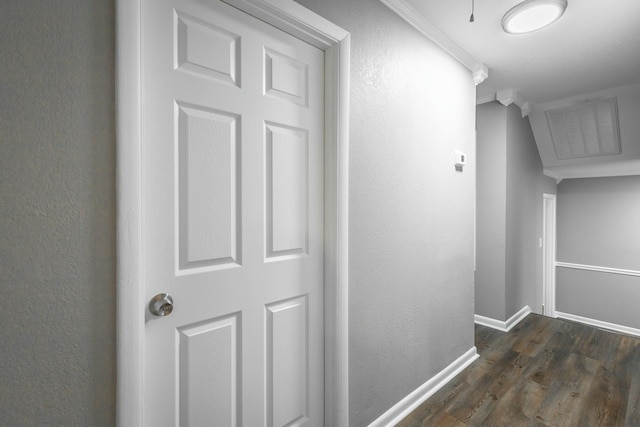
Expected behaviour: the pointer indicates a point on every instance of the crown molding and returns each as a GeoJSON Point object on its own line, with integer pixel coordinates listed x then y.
{"type": "Point", "coordinates": [507, 97]}
{"type": "Point", "coordinates": [404, 10]}
{"type": "Point", "coordinates": [526, 109]}
{"type": "Point", "coordinates": [484, 99]}
{"type": "Point", "coordinates": [480, 73]}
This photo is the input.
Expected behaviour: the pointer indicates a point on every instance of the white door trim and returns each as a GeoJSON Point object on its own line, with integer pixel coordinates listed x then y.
{"type": "Point", "coordinates": [306, 25]}
{"type": "Point", "coordinates": [549, 255]}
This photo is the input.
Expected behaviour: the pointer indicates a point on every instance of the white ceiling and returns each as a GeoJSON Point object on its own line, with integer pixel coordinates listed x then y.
{"type": "Point", "coordinates": [594, 46]}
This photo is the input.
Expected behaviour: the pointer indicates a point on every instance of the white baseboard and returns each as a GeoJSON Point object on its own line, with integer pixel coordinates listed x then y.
{"type": "Point", "coordinates": [502, 325]}
{"type": "Point", "coordinates": [404, 407]}
{"type": "Point", "coordinates": [599, 324]}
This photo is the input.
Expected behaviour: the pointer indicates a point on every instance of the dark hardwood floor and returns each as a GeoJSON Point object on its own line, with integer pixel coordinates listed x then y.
{"type": "Point", "coordinates": [544, 372]}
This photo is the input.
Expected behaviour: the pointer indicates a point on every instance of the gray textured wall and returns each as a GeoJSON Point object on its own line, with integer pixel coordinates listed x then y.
{"type": "Point", "coordinates": [411, 213]}
{"type": "Point", "coordinates": [57, 213]}
{"type": "Point", "coordinates": [509, 213]}
{"type": "Point", "coordinates": [598, 221]}
{"type": "Point", "coordinates": [523, 217]}
{"type": "Point", "coordinates": [491, 210]}
{"type": "Point", "coordinates": [598, 224]}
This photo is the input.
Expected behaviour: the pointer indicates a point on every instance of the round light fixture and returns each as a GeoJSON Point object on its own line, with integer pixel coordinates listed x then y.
{"type": "Point", "coordinates": [532, 15]}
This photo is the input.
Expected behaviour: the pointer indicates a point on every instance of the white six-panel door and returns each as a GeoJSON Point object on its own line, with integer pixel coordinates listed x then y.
{"type": "Point", "coordinates": [232, 189]}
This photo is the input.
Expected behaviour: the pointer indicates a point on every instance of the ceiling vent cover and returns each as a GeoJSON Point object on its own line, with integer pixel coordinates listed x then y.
{"type": "Point", "coordinates": [589, 129]}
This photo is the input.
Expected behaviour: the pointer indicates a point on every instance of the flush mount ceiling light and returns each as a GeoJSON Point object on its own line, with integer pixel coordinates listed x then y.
{"type": "Point", "coordinates": [532, 15]}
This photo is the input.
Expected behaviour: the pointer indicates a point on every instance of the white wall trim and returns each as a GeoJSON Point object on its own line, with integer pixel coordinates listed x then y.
{"type": "Point", "coordinates": [599, 324]}
{"type": "Point", "coordinates": [129, 297]}
{"type": "Point", "coordinates": [617, 168]}
{"type": "Point", "coordinates": [404, 10]}
{"type": "Point", "coordinates": [507, 97]}
{"type": "Point", "coordinates": [404, 407]}
{"type": "Point", "coordinates": [598, 268]}
{"type": "Point", "coordinates": [549, 254]}
{"type": "Point", "coordinates": [306, 25]}
{"type": "Point", "coordinates": [502, 325]}
{"type": "Point", "coordinates": [480, 73]}
{"type": "Point", "coordinates": [294, 19]}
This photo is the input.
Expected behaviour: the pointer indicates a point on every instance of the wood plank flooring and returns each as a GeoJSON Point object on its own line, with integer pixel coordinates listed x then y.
{"type": "Point", "coordinates": [544, 372]}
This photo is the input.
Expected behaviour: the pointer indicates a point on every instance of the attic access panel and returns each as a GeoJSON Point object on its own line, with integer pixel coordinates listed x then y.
{"type": "Point", "coordinates": [588, 129]}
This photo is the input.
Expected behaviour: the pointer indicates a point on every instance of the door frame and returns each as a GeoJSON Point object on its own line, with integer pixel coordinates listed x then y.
{"type": "Point", "coordinates": [335, 42]}
{"type": "Point", "coordinates": [549, 255]}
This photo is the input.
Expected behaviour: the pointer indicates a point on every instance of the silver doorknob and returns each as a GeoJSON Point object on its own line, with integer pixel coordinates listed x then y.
{"type": "Point", "coordinates": [161, 305]}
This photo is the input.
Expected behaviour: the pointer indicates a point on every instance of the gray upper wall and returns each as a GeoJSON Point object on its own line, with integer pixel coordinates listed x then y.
{"type": "Point", "coordinates": [57, 213]}
{"type": "Point", "coordinates": [598, 222]}
{"type": "Point", "coordinates": [411, 213]}
{"type": "Point", "coordinates": [523, 216]}
{"type": "Point", "coordinates": [509, 213]}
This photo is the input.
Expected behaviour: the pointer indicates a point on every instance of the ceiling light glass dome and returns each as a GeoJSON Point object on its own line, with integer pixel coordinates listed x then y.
{"type": "Point", "coordinates": [532, 15]}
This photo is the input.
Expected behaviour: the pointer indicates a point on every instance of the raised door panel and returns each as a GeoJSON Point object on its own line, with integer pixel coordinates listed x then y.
{"type": "Point", "coordinates": [286, 78]}
{"type": "Point", "coordinates": [287, 225]}
{"type": "Point", "coordinates": [287, 364]}
{"type": "Point", "coordinates": [209, 371]}
{"type": "Point", "coordinates": [206, 49]}
{"type": "Point", "coordinates": [209, 187]}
